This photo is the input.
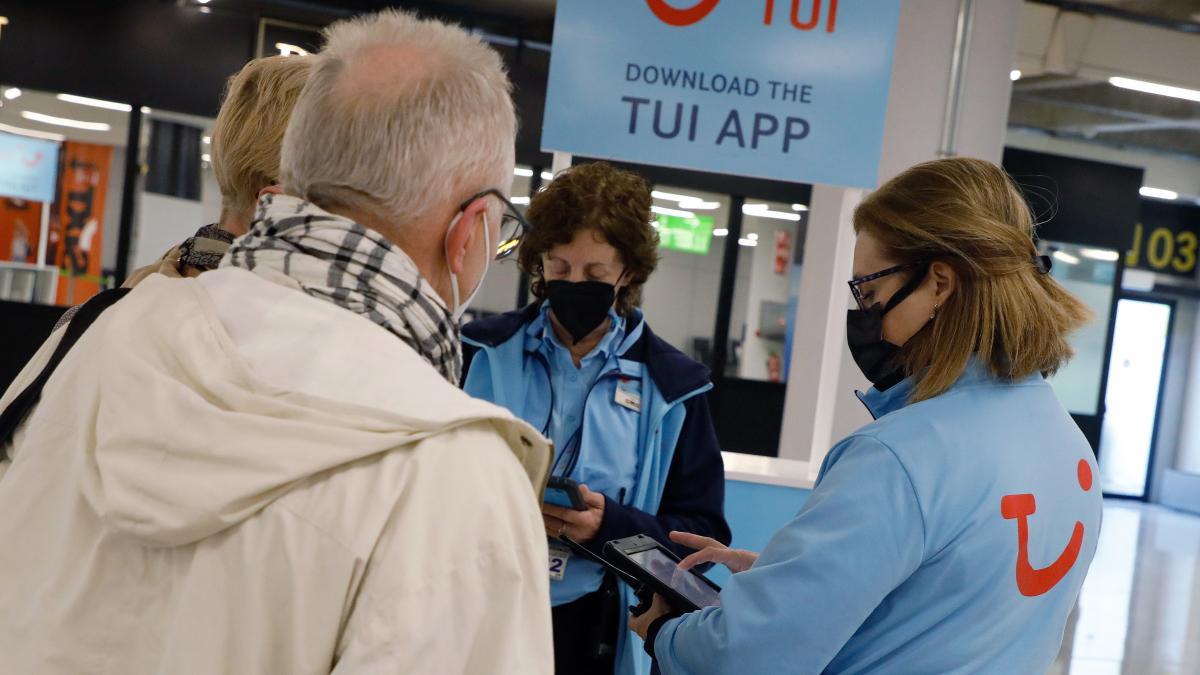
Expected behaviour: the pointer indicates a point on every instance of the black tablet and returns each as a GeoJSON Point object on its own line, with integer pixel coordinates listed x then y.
{"type": "Point", "coordinates": [654, 565]}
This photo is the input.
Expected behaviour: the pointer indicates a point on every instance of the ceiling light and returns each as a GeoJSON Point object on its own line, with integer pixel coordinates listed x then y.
{"type": "Point", "coordinates": [1014, 75]}
{"type": "Point", "coordinates": [546, 175]}
{"type": "Point", "coordinates": [11, 93]}
{"type": "Point", "coordinates": [146, 110]}
{"type": "Point", "coordinates": [1100, 254]}
{"type": "Point", "coordinates": [205, 158]}
{"type": "Point", "coordinates": [1158, 193]}
{"type": "Point", "coordinates": [1066, 257]}
{"type": "Point", "coordinates": [674, 197]}
{"type": "Point", "coordinates": [753, 236]}
{"type": "Point", "coordinates": [799, 207]}
{"type": "Point", "coordinates": [206, 10]}
{"type": "Point", "coordinates": [662, 211]}
{"type": "Point", "coordinates": [720, 232]}
{"type": "Point", "coordinates": [1155, 88]}
{"type": "Point", "coordinates": [286, 49]}
{"type": "Point", "coordinates": [204, 2]}
{"type": "Point", "coordinates": [207, 140]}
{"type": "Point", "coordinates": [64, 122]}
{"type": "Point", "coordinates": [524, 173]}
{"type": "Point", "coordinates": [94, 102]}
{"type": "Point", "coordinates": [520, 201]}
{"type": "Point", "coordinates": [33, 134]}
{"type": "Point", "coordinates": [748, 242]}
{"type": "Point", "coordinates": [762, 211]}
{"type": "Point", "coordinates": [699, 205]}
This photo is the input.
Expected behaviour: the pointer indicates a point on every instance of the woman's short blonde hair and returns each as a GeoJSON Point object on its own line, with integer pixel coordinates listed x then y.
{"type": "Point", "coordinates": [248, 134]}
{"type": "Point", "coordinates": [969, 214]}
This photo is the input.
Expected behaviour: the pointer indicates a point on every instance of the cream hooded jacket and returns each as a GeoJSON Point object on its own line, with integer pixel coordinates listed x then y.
{"type": "Point", "coordinates": [226, 475]}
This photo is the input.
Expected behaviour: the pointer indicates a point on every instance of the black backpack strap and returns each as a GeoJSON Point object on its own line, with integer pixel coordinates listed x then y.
{"type": "Point", "coordinates": [20, 407]}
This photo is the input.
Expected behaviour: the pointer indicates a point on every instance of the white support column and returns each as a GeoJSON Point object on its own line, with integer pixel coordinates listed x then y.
{"type": "Point", "coordinates": [816, 360]}
{"type": "Point", "coordinates": [821, 407]}
{"type": "Point", "coordinates": [561, 162]}
{"type": "Point", "coordinates": [43, 236]}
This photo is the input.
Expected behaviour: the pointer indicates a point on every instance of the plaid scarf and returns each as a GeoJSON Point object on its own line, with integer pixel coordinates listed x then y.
{"type": "Point", "coordinates": [338, 260]}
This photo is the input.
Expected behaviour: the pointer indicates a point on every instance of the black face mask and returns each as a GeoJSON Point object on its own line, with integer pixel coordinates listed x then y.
{"type": "Point", "coordinates": [875, 356]}
{"type": "Point", "coordinates": [580, 306]}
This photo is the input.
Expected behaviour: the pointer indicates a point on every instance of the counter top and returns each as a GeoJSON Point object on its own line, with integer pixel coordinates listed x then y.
{"type": "Point", "coordinates": [767, 470]}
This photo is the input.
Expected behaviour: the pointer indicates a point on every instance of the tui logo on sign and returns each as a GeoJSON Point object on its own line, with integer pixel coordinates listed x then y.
{"type": "Point", "coordinates": [674, 16]}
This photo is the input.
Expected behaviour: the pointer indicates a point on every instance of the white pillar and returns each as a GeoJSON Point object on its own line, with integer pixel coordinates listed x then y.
{"type": "Point", "coordinates": [560, 161]}
{"type": "Point", "coordinates": [816, 363]}
{"type": "Point", "coordinates": [821, 407]}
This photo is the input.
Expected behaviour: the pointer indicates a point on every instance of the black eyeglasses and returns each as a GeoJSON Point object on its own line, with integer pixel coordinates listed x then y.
{"type": "Point", "coordinates": [856, 283]}
{"type": "Point", "coordinates": [513, 225]}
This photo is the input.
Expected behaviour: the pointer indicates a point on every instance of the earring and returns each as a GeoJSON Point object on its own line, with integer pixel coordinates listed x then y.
{"type": "Point", "coordinates": [933, 314]}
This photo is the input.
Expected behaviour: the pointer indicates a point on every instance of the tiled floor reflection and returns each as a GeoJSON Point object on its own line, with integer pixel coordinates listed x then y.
{"type": "Point", "coordinates": [1139, 612]}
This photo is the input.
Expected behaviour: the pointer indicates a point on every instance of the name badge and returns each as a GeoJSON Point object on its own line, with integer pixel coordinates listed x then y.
{"type": "Point", "coordinates": [628, 397]}
{"type": "Point", "coordinates": [559, 555]}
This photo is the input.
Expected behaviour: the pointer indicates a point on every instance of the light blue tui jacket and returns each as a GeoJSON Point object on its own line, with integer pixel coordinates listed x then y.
{"type": "Point", "coordinates": [949, 536]}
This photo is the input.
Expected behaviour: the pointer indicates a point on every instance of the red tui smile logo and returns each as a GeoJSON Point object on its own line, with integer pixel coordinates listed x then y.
{"type": "Point", "coordinates": [681, 17]}
{"type": "Point", "coordinates": [1031, 581]}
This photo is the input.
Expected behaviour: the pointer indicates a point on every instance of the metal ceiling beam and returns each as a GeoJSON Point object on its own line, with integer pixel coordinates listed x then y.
{"type": "Point", "coordinates": [1091, 108]}
{"type": "Point", "coordinates": [1128, 127]}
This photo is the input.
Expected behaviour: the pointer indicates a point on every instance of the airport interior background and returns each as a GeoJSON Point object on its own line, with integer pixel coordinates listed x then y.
{"type": "Point", "coordinates": [1102, 107]}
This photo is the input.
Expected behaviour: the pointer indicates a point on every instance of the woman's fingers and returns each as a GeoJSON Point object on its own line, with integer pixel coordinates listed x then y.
{"type": "Point", "coordinates": [695, 541]}
{"type": "Point", "coordinates": [706, 555]}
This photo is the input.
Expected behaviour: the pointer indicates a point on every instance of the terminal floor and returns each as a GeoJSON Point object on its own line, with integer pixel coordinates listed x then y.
{"type": "Point", "coordinates": [1139, 612]}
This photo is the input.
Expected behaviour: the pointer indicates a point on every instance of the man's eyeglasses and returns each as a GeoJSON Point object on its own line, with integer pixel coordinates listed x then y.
{"type": "Point", "coordinates": [863, 290]}
{"type": "Point", "coordinates": [513, 225]}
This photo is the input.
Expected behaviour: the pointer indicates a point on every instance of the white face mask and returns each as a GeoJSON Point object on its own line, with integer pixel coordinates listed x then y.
{"type": "Point", "coordinates": [460, 308]}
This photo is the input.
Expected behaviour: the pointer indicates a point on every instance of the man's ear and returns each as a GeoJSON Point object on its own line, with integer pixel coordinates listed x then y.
{"type": "Point", "coordinates": [466, 229]}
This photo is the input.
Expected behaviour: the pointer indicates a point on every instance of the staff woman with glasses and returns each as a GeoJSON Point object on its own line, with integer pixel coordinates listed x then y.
{"type": "Point", "coordinates": [626, 411]}
{"type": "Point", "coordinates": [951, 535]}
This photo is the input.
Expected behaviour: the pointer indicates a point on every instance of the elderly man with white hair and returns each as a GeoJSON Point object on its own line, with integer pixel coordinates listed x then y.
{"type": "Point", "coordinates": [270, 468]}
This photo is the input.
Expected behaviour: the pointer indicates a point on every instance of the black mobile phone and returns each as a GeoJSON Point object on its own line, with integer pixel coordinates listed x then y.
{"type": "Point", "coordinates": [564, 492]}
{"type": "Point", "coordinates": [654, 565]}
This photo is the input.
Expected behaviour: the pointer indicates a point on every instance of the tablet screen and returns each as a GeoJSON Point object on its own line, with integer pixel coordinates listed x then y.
{"type": "Point", "coordinates": [682, 582]}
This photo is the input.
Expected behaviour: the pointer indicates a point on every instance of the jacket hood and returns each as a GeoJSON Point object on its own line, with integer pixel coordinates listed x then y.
{"type": "Point", "coordinates": [199, 402]}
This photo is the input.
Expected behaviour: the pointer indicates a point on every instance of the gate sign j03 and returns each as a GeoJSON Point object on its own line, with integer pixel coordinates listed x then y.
{"type": "Point", "coordinates": [791, 90]}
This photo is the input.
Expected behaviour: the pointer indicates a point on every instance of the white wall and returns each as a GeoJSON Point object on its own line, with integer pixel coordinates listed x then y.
{"type": "Point", "coordinates": [163, 223]}
{"type": "Point", "coordinates": [680, 299]}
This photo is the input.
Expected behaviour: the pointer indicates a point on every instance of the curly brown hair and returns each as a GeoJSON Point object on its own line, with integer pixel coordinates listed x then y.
{"type": "Point", "coordinates": [603, 198]}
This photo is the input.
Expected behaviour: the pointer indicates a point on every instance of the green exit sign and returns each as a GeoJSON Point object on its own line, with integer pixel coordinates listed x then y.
{"type": "Point", "coordinates": [687, 235]}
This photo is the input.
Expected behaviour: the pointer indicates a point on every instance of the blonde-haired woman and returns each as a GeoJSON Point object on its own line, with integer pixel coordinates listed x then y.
{"type": "Point", "coordinates": [953, 533]}
{"type": "Point", "coordinates": [246, 142]}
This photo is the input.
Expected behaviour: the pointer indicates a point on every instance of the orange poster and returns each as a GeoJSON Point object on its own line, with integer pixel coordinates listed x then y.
{"type": "Point", "coordinates": [77, 222]}
{"type": "Point", "coordinates": [20, 225]}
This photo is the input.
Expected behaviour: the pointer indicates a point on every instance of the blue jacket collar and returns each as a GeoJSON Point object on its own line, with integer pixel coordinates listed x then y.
{"type": "Point", "coordinates": [675, 374]}
{"type": "Point", "coordinates": [880, 403]}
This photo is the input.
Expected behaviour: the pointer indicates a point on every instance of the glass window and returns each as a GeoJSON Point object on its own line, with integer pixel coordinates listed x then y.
{"type": "Point", "coordinates": [59, 250]}
{"type": "Point", "coordinates": [680, 298]}
{"type": "Point", "coordinates": [770, 252]}
{"type": "Point", "coordinates": [1089, 274]}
